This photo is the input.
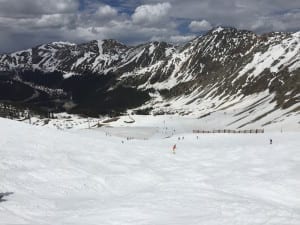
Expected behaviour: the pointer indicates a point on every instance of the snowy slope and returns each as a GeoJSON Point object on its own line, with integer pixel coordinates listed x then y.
{"type": "Point", "coordinates": [234, 120]}
{"type": "Point", "coordinates": [255, 79]}
{"type": "Point", "coordinates": [86, 177]}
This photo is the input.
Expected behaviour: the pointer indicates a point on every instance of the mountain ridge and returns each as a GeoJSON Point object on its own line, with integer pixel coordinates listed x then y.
{"type": "Point", "coordinates": [210, 73]}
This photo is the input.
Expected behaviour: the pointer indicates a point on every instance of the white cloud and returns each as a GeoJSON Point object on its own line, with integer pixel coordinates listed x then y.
{"type": "Point", "coordinates": [176, 39]}
{"type": "Point", "coordinates": [181, 38]}
{"type": "Point", "coordinates": [40, 22]}
{"type": "Point", "coordinates": [27, 8]}
{"type": "Point", "coordinates": [202, 25]}
{"type": "Point", "coordinates": [97, 21]}
{"type": "Point", "coordinates": [283, 22]}
{"type": "Point", "coordinates": [151, 14]}
{"type": "Point", "coordinates": [26, 23]}
{"type": "Point", "coordinates": [243, 14]}
{"type": "Point", "coordinates": [106, 12]}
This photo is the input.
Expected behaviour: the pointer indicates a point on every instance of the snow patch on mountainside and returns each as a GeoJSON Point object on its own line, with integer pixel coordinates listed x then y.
{"type": "Point", "coordinates": [243, 112]}
{"type": "Point", "coordinates": [276, 57]}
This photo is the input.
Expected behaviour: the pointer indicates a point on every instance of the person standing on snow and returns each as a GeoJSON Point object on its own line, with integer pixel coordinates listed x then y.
{"type": "Point", "coordinates": [174, 149]}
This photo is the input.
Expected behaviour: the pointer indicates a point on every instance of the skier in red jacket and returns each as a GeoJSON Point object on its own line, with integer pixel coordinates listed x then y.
{"type": "Point", "coordinates": [174, 149]}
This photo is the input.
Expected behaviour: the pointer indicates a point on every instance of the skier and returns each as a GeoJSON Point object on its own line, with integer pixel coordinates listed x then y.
{"type": "Point", "coordinates": [271, 141]}
{"type": "Point", "coordinates": [174, 148]}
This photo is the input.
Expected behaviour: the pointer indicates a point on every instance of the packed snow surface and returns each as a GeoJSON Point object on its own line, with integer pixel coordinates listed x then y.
{"type": "Point", "coordinates": [88, 176]}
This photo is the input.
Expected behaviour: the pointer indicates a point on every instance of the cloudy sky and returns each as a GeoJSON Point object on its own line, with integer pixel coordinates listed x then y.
{"type": "Point", "coordinates": [26, 23]}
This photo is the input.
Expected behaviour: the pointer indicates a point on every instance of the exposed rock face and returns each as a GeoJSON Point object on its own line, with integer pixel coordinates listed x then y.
{"type": "Point", "coordinates": [210, 73]}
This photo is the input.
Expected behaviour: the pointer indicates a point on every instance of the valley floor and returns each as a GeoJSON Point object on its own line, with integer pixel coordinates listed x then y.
{"type": "Point", "coordinates": [97, 176]}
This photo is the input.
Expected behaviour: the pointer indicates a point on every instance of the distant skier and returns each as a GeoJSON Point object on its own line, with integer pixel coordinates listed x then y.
{"type": "Point", "coordinates": [174, 148]}
{"type": "Point", "coordinates": [271, 141]}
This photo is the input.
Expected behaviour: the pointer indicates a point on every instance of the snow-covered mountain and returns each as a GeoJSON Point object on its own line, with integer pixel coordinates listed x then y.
{"type": "Point", "coordinates": [247, 76]}
{"type": "Point", "coordinates": [98, 56]}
